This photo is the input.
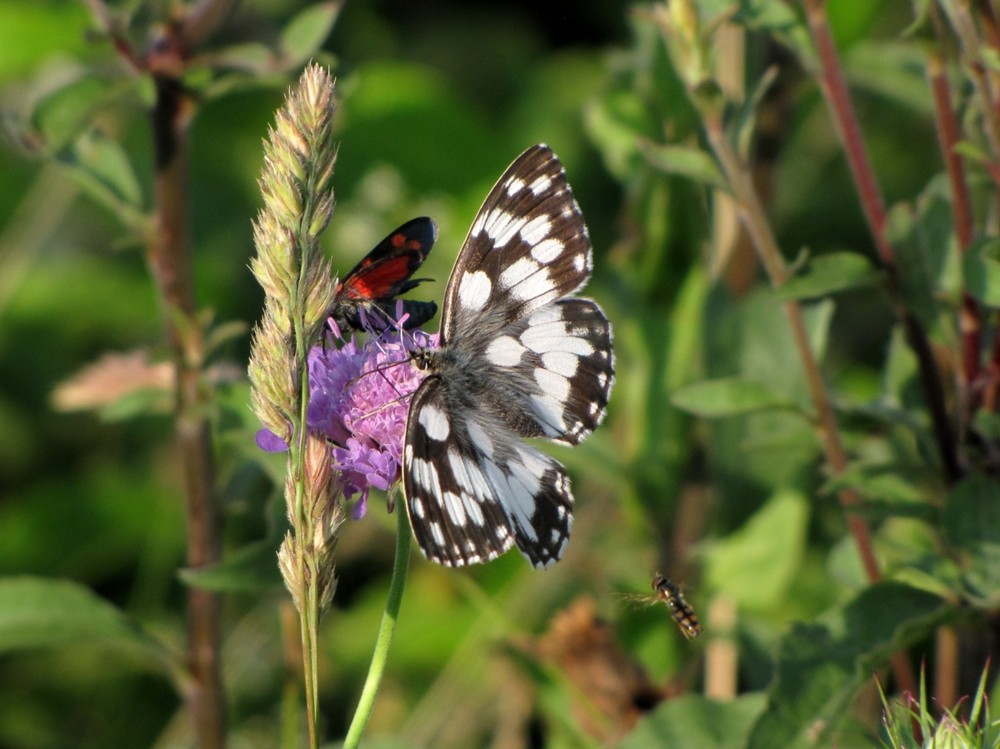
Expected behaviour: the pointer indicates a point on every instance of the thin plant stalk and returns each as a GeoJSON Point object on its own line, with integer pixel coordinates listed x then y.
{"type": "Point", "coordinates": [171, 264]}
{"type": "Point", "coordinates": [170, 261]}
{"type": "Point", "coordinates": [385, 633]}
{"type": "Point", "coordinates": [949, 135]}
{"type": "Point", "coordinates": [754, 219]}
{"type": "Point", "coordinates": [833, 86]}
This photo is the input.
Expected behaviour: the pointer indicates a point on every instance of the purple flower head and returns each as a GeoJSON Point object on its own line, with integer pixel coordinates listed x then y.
{"type": "Point", "coordinates": [359, 397]}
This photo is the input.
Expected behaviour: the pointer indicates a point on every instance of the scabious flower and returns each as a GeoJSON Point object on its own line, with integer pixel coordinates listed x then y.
{"type": "Point", "coordinates": [358, 399]}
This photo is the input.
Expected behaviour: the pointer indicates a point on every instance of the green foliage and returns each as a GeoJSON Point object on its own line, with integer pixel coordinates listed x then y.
{"type": "Point", "coordinates": [713, 466]}
{"type": "Point", "coordinates": [45, 613]}
{"type": "Point", "coordinates": [820, 665]}
{"type": "Point", "coordinates": [696, 721]}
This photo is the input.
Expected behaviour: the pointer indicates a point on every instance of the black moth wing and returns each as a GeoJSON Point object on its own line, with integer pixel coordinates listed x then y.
{"type": "Point", "coordinates": [384, 274]}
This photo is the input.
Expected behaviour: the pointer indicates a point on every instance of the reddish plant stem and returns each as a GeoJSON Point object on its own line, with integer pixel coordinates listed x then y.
{"type": "Point", "coordinates": [170, 263]}
{"type": "Point", "coordinates": [949, 134]}
{"type": "Point", "coordinates": [988, 22]}
{"type": "Point", "coordinates": [987, 395]}
{"type": "Point", "coordinates": [754, 219]}
{"type": "Point", "coordinates": [834, 87]}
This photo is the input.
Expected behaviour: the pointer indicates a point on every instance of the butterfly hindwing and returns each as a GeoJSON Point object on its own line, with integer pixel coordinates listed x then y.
{"type": "Point", "coordinates": [385, 273]}
{"type": "Point", "coordinates": [473, 489]}
{"type": "Point", "coordinates": [518, 358]}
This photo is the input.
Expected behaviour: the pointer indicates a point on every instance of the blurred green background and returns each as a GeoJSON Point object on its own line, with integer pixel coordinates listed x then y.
{"type": "Point", "coordinates": [436, 99]}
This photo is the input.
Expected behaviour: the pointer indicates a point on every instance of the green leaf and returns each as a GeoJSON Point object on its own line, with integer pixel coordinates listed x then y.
{"type": "Point", "coordinates": [695, 721]}
{"type": "Point", "coordinates": [613, 122]}
{"type": "Point", "coordinates": [893, 70]}
{"type": "Point", "coordinates": [63, 115]}
{"type": "Point", "coordinates": [892, 484]}
{"type": "Point", "coordinates": [821, 665]}
{"type": "Point", "coordinates": [687, 162]}
{"type": "Point", "coordinates": [924, 244]}
{"type": "Point", "coordinates": [727, 397]}
{"type": "Point", "coordinates": [251, 57]}
{"type": "Point", "coordinates": [102, 169]}
{"type": "Point", "coordinates": [972, 527]}
{"type": "Point", "coordinates": [981, 271]}
{"type": "Point", "coordinates": [744, 125]}
{"type": "Point", "coordinates": [39, 612]}
{"type": "Point", "coordinates": [251, 569]}
{"type": "Point", "coordinates": [306, 31]}
{"type": "Point", "coordinates": [756, 564]}
{"type": "Point", "coordinates": [827, 274]}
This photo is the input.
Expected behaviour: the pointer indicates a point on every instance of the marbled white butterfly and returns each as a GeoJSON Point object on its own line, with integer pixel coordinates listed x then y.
{"type": "Point", "coordinates": [518, 358]}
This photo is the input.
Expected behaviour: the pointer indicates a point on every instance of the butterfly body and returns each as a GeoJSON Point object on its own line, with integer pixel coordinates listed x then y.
{"type": "Point", "coordinates": [371, 286]}
{"type": "Point", "coordinates": [518, 358]}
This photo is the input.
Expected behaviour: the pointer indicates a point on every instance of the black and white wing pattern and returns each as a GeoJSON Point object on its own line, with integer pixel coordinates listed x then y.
{"type": "Point", "coordinates": [519, 358]}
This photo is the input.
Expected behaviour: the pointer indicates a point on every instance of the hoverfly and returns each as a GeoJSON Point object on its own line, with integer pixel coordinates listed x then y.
{"type": "Point", "coordinates": [681, 611]}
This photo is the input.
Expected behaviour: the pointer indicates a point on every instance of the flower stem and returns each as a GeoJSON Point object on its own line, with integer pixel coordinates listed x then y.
{"type": "Point", "coordinates": [386, 630]}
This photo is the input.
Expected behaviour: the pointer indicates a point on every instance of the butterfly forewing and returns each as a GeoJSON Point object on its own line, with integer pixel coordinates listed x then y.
{"type": "Point", "coordinates": [528, 246]}
{"type": "Point", "coordinates": [517, 359]}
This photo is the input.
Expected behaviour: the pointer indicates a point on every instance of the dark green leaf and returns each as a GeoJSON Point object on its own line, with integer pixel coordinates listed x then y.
{"type": "Point", "coordinates": [981, 271]}
{"type": "Point", "coordinates": [890, 482]}
{"type": "Point", "coordinates": [39, 612]}
{"type": "Point", "coordinates": [697, 722]}
{"type": "Point", "coordinates": [727, 397]}
{"type": "Point", "coordinates": [924, 245]}
{"type": "Point", "coordinates": [821, 665]}
{"type": "Point", "coordinates": [972, 526]}
{"type": "Point", "coordinates": [828, 274]}
{"type": "Point", "coordinates": [252, 568]}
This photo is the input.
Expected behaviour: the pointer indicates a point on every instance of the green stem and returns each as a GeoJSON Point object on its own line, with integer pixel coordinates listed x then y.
{"type": "Point", "coordinates": [307, 573]}
{"type": "Point", "coordinates": [386, 630]}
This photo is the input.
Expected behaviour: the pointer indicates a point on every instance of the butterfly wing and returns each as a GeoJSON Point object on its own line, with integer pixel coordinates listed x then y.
{"type": "Point", "coordinates": [474, 489]}
{"type": "Point", "coordinates": [518, 359]}
{"type": "Point", "coordinates": [385, 273]}
{"type": "Point", "coordinates": [505, 304]}
{"type": "Point", "coordinates": [528, 246]}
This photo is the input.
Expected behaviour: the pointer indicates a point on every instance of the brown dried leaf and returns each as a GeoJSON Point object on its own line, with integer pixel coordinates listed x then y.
{"type": "Point", "coordinates": [110, 379]}
{"type": "Point", "coordinates": [615, 690]}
